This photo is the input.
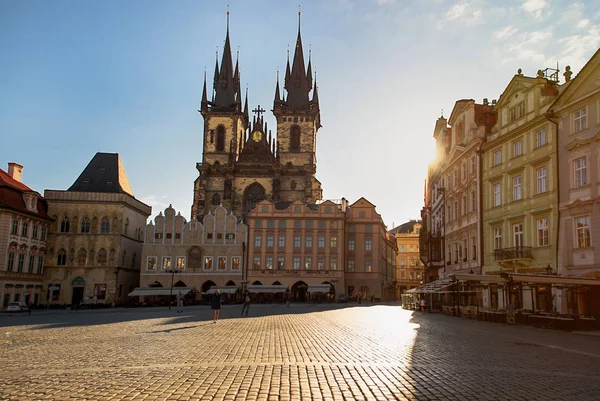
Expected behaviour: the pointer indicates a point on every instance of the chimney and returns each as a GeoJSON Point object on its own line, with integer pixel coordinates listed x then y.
{"type": "Point", "coordinates": [15, 170]}
{"type": "Point", "coordinates": [494, 102]}
{"type": "Point", "coordinates": [485, 101]}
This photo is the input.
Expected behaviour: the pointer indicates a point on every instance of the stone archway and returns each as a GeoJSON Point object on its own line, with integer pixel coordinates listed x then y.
{"type": "Point", "coordinates": [253, 194]}
{"type": "Point", "coordinates": [206, 286]}
{"type": "Point", "coordinates": [298, 292]}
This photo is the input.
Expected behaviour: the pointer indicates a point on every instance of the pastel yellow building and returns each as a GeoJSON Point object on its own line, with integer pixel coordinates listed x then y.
{"type": "Point", "coordinates": [409, 269]}
{"type": "Point", "coordinates": [520, 193]}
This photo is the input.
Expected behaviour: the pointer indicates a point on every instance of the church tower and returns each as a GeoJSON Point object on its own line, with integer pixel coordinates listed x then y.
{"type": "Point", "coordinates": [298, 120]}
{"type": "Point", "coordinates": [242, 161]}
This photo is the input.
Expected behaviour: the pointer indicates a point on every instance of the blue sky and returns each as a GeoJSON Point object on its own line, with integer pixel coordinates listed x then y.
{"type": "Point", "coordinates": [78, 77]}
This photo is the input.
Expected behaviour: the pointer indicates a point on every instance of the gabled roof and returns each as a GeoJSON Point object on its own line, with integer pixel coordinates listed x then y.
{"type": "Point", "coordinates": [406, 228]}
{"type": "Point", "coordinates": [579, 80]}
{"type": "Point", "coordinates": [517, 83]}
{"type": "Point", "coordinates": [362, 199]}
{"type": "Point", "coordinates": [104, 173]}
{"type": "Point", "coordinates": [459, 106]}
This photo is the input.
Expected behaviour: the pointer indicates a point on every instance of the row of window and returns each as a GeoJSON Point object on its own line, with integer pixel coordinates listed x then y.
{"type": "Point", "coordinates": [409, 248]}
{"type": "Point", "coordinates": [517, 147]}
{"type": "Point", "coordinates": [19, 260]}
{"type": "Point", "coordinates": [517, 234]}
{"type": "Point", "coordinates": [308, 241]}
{"type": "Point", "coordinates": [411, 275]}
{"type": "Point", "coordinates": [298, 263]}
{"type": "Point", "coordinates": [453, 179]}
{"type": "Point", "coordinates": [461, 251]}
{"type": "Point", "coordinates": [35, 230]}
{"type": "Point", "coordinates": [83, 258]}
{"type": "Point", "coordinates": [453, 208]}
{"type": "Point", "coordinates": [65, 225]}
{"type": "Point", "coordinates": [208, 263]}
{"type": "Point", "coordinates": [517, 186]}
{"type": "Point", "coordinates": [412, 262]}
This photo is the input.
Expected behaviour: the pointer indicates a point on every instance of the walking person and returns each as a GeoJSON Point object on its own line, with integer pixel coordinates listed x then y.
{"type": "Point", "coordinates": [179, 302]}
{"type": "Point", "coordinates": [422, 305]}
{"type": "Point", "coordinates": [29, 305]}
{"type": "Point", "coordinates": [246, 306]}
{"type": "Point", "coordinates": [215, 305]}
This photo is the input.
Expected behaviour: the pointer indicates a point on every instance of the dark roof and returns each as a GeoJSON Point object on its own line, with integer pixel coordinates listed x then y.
{"type": "Point", "coordinates": [104, 173]}
{"type": "Point", "coordinates": [405, 228]}
{"type": "Point", "coordinates": [282, 205]}
{"type": "Point", "coordinates": [12, 197]}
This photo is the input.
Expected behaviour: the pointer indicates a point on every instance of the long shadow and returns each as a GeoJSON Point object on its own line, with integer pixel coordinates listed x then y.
{"type": "Point", "coordinates": [41, 320]}
{"type": "Point", "coordinates": [458, 358]}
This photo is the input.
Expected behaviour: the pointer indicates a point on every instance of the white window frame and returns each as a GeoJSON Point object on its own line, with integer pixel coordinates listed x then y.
{"type": "Point", "coordinates": [464, 205]}
{"type": "Point", "coordinates": [296, 262]}
{"type": "Point", "coordinates": [219, 258]}
{"type": "Point", "coordinates": [368, 245]}
{"type": "Point", "coordinates": [580, 172]}
{"type": "Point", "coordinates": [177, 259]}
{"type": "Point", "coordinates": [281, 241]}
{"type": "Point", "coordinates": [257, 241]}
{"type": "Point", "coordinates": [540, 138]}
{"type": "Point", "coordinates": [455, 176]}
{"type": "Point", "coordinates": [148, 263]}
{"type": "Point", "coordinates": [541, 180]}
{"type": "Point", "coordinates": [269, 262]}
{"type": "Point", "coordinates": [239, 262]}
{"type": "Point", "coordinates": [162, 264]}
{"type": "Point", "coordinates": [497, 157]}
{"type": "Point", "coordinates": [517, 187]}
{"type": "Point", "coordinates": [542, 231]}
{"type": "Point", "coordinates": [585, 230]}
{"type": "Point", "coordinates": [212, 267]}
{"type": "Point", "coordinates": [518, 148]}
{"type": "Point", "coordinates": [580, 119]}
{"type": "Point", "coordinates": [473, 165]}
{"type": "Point", "coordinates": [497, 194]}
{"type": "Point", "coordinates": [281, 259]}
{"type": "Point", "coordinates": [518, 235]}
{"type": "Point", "coordinates": [497, 238]}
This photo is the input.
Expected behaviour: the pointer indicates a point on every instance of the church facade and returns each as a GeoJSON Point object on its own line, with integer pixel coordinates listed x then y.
{"type": "Point", "coordinates": [243, 163]}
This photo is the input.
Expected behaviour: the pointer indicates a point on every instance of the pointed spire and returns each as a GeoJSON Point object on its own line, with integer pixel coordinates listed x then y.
{"type": "Point", "coordinates": [225, 86]}
{"type": "Point", "coordinates": [315, 98]}
{"type": "Point", "coordinates": [309, 69]}
{"type": "Point", "coordinates": [216, 76]}
{"type": "Point", "coordinates": [288, 71]}
{"type": "Point", "coordinates": [297, 84]}
{"type": "Point", "coordinates": [277, 95]}
{"type": "Point", "coordinates": [246, 106]}
{"type": "Point", "coordinates": [204, 96]}
{"type": "Point", "coordinates": [236, 79]}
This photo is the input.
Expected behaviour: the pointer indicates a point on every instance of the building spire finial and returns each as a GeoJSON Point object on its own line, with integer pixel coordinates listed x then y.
{"type": "Point", "coordinates": [227, 18]}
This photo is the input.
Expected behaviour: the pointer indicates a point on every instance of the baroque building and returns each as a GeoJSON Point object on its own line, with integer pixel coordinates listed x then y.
{"type": "Point", "coordinates": [520, 191]}
{"type": "Point", "coordinates": [24, 223]}
{"type": "Point", "coordinates": [242, 161]}
{"type": "Point", "coordinates": [202, 254]}
{"type": "Point", "coordinates": [577, 115]}
{"type": "Point", "coordinates": [409, 268]}
{"type": "Point", "coordinates": [95, 243]}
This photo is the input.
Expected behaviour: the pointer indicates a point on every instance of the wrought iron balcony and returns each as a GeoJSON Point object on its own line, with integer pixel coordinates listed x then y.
{"type": "Point", "coordinates": [521, 252]}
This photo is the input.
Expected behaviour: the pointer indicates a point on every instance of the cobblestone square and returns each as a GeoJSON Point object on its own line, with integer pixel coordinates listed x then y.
{"type": "Point", "coordinates": [302, 352]}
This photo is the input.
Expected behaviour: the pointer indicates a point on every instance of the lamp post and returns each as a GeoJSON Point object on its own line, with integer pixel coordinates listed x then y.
{"type": "Point", "coordinates": [172, 271]}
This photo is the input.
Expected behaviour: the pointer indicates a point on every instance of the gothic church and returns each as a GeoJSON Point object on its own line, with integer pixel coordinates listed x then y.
{"type": "Point", "coordinates": [242, 162]}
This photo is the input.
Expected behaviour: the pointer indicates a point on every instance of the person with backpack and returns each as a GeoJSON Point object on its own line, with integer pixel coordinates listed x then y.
{"type": "Point", "coordinates": [246, 306]}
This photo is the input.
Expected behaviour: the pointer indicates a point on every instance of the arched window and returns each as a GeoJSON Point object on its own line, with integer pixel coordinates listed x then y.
{"type": "Point", "coordinates": [81, 257]}
{"type": "Point", "coordinates": [61, 259]}
{"type": "Point", "coordinates": [133, 261]}
{"type": "Point", "coordinates": [124, 256]}
{"type": "Point", "coordinates": [220, 138]}
{"type": "Point", "coordinates": [105, 226]}
{"type": "Point", "coordinates": [102, 256]}
{"type": "Point", "coordinates": [112, 255]}
{"type": "Point", "coordinates": [85, 225]}
{"type": "Point", "coordinates": [64, 225]}
{"type": "Point", "coordinates": [216, 200]}
{"type": "Point", "coordinates": [126, 225]}
{"type": "Point", "coordinates": [295, 138]}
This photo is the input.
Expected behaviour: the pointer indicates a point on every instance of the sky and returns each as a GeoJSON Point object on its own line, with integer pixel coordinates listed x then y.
{"type": "Point", "coordinates": [80, 77]}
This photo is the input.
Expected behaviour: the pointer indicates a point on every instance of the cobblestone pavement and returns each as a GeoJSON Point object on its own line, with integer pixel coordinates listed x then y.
{"type": "Point", "coordinates": [306, 352]}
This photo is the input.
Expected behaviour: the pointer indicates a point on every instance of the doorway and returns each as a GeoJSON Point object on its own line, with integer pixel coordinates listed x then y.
{"type": "Point", "coordinates": [77, 296]}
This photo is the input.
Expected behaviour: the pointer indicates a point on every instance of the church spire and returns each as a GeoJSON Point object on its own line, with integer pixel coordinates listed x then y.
{"type": "Point", "coordinates": [225, 84]}
{"type": "Point", "coordinates": [246, 106]}
{"type": "Point", "coordinates": [298, 85]}
{"type": "Point", "coordinates": [309, 69]}
{"type": "Point", "coordinates": [277, 94]}
{"type": "Point", "coordinates": [204, 101]}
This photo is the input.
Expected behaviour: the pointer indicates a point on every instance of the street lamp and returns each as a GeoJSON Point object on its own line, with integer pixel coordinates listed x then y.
{"type": "Point", "coordinates": [172, 271]}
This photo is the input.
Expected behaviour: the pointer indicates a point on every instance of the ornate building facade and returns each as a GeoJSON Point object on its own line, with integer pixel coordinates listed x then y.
{"type": "Point", "coordinates": [520, 191]}
{"type": "Point", "coordinates": [95, 243]}
{"type": "Point", "coordinates": [242, 161]}
{"type": "Point", "coordinates": [577, 114]}
{"type": "Point", "coordinates": [24, 223]}
{"type": "Point", "coordinates": [409, 268]}
{"type": "Point", "coordinates": [202, 254]}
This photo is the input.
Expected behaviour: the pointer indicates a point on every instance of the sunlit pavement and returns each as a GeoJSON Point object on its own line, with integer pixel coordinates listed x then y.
{"type": "Point", "coordinates": [319, 352]}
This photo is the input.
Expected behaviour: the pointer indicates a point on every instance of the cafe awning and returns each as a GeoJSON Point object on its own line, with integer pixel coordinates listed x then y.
{"type": "Point", "coordinates": [267, 288]}
{"type": "Point", "coordinates": [144, 292]}
{"type": "Point", "coordinates": [319, 288]}
{"type": "Point", "coordinates": [483, 278]}
{"type": "Point", "coordinates": [432, 287]}
{"type": "Point", "coordinates": [230, 289]}
{"type": "Point", "coordinates": [552, 279]}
